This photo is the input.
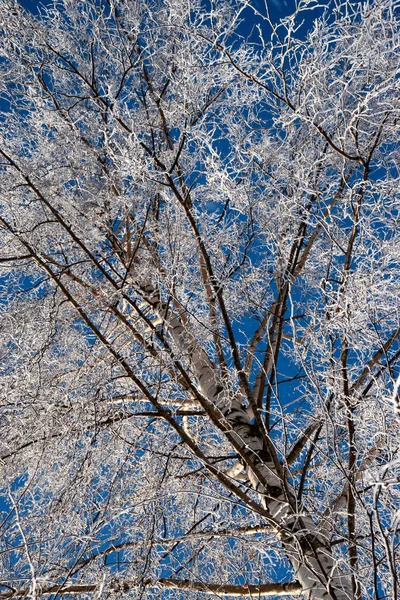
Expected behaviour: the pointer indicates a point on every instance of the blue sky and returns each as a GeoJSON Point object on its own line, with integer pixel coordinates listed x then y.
{"type": "Point", "coordinates": [278, 8]}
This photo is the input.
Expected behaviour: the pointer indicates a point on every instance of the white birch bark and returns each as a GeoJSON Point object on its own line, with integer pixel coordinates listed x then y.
{"type": "Point", "coordinates": [305, 542]}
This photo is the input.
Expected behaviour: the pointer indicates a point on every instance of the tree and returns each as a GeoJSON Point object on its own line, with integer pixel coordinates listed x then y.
{"type": "Point", "coordinates": [200, 273]}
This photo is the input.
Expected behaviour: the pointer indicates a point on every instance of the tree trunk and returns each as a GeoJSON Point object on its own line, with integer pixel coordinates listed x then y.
{"type": "Point", "coordinates": [306, 544]}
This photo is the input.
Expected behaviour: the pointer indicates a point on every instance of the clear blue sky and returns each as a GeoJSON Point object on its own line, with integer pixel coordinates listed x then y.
{"type": "Point", "coordinates": [278, 8]}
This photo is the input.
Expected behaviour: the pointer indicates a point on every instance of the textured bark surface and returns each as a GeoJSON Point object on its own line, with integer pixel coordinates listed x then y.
{"type": "Point", "coordinates": [306, 543]}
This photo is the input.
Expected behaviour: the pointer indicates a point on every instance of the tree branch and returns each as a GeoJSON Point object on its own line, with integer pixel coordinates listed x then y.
{"type": "Point", "coordinates": [233, 591]}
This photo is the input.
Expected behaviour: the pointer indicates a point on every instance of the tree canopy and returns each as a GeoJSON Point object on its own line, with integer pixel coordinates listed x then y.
{"type": "Point", "coordinates": [199, 275]}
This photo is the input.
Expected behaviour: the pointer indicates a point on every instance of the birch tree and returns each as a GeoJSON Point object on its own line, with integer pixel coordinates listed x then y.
{"type": "Point", "coordinates": [200, 262]}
